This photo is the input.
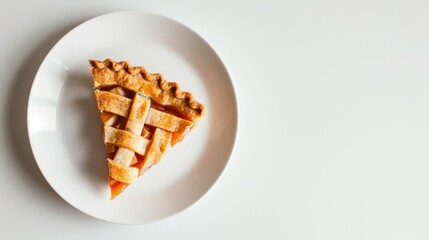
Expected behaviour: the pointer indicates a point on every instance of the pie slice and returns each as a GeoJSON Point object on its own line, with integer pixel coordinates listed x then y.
{"type": "Point", "coordinates": [142, 116]}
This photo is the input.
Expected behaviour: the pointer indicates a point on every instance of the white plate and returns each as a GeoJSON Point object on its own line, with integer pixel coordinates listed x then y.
{"type": "Point", "coordinates": [64, 128]}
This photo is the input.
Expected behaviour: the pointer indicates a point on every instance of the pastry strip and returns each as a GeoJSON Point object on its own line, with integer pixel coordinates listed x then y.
{"type": "Point", "coordinates": [122, 173]}
{"type": "Point", "coordinates": [157, 147]}
{"type": "Point", "coordinates": [125, 139]}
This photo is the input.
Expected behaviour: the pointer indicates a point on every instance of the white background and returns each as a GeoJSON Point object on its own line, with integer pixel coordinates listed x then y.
{"type": "Point", "coordinates": [334, 122]}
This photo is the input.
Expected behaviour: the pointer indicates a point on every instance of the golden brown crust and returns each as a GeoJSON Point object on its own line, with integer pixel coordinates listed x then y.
{"type": "Point", "coordinates": [109, 103]}
{"type": "Point", "coordinates": [142, 116]}
{"type": "Point", "coordinates": [122, 173]}
{"type": "Point", "coordinates": [156, 149]}
{"type": "Point", "coordinates": [112, 103]}
{"type": "Point", "coordinates": [153, 85]}
{"type": "Point", "coordinates": [125, 139]}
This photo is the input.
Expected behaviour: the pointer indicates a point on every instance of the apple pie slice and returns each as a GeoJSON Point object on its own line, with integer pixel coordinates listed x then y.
{"type": "Point", "coordinates": [142, 116]}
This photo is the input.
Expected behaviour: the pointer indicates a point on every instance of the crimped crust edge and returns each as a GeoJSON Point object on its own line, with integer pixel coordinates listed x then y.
{"type": "Point", "coordinates": [163, 84]}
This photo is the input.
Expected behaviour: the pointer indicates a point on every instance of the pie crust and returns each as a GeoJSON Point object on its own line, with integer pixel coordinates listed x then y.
{"type": "Point", "coordinates": [142, 116]}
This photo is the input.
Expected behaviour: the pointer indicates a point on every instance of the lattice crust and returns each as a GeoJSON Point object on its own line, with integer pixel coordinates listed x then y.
{"type": "Point", "coordinates": [142, 116]}
{"type": "Point", "coordinates": [120, 105]}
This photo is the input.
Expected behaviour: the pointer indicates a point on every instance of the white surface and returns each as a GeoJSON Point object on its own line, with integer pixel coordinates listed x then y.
{"type": "Point", "coordinates": [64, 128]}
{"type": "Point", "coordinates": [344, 156]}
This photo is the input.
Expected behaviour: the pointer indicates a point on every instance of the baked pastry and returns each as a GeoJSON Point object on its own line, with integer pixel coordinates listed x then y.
{"type": "Point", "coordinates": [142, 116]}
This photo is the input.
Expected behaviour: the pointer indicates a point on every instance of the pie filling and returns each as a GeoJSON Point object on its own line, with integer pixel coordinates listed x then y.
{"type": "Point", "coordinates": [142, 117]}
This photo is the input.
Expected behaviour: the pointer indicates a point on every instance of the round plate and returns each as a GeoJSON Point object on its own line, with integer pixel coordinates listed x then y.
{"type": "Point", "coordinates": [64, 126]}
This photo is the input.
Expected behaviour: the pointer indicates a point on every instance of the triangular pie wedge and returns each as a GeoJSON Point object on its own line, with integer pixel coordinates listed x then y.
{"type": "Point", "coordinates": [142, 116]}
